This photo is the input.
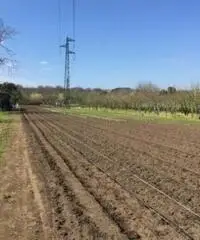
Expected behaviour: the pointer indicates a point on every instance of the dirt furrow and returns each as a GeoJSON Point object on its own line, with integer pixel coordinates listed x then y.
{"type": "Point", "coordinates": [111, 196]}
{"type": "Point", "coordinates": [150, 143]}
{"type": "Point", "coordinates": [152, 133]}
{"type": "Point", "coordinates": [138, 183]}
{"type": "Point", "coordinates": [144, 188]}
{"type": "Point", "coordinates": [179, 159]}
{"type": "Point", "coordinates": [181, 185]}
{"type": "Point", "coordinates": [92, 220]}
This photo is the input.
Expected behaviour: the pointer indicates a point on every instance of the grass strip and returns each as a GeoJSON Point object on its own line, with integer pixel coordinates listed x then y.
{"type": "Point", "coordinates": [118, 114]}
{"type": "Point", "coordinates": [5, 126]}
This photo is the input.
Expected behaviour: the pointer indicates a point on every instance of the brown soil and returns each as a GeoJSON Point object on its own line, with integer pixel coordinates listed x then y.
{"type": "Point", "coordinates": [85, 178]}
{"type": "Point", "coordinates": [19, 214]}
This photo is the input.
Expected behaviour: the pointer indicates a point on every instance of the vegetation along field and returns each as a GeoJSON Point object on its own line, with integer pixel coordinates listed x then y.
{"type": "Point", "coordinates": [5, 129]}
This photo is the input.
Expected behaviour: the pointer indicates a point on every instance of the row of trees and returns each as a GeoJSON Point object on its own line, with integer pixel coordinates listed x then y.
{"type": "Point", "coordinates": [146, 97]}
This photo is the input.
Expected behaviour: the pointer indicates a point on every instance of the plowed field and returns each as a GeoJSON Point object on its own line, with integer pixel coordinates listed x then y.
{"type": "Point", "coordinates": [102, 179]}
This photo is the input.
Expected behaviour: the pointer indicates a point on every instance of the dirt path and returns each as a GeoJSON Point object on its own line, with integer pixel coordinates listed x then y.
{"type": "Point", "coordinates": [20, 217]}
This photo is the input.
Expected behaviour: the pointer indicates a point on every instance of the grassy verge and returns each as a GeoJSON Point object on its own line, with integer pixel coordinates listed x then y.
{"type": "Point", "coordinates": [4, 117]}
{"type": "Point", "coordinates": [119, 114]}
{"type": "Point", "coordinates": [5, 122]}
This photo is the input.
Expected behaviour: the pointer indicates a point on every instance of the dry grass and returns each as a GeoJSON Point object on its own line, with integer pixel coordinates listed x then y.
{"type": "Point", "coordinates": [5, 130]}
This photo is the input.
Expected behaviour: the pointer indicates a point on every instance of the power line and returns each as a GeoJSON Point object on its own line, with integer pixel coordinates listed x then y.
{"type": "Point", "coordinates": [59, 9]}
{"type": "Point", "coordinates": [74, 22]}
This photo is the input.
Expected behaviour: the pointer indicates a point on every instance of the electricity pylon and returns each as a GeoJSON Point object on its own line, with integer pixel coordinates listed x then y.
{"type": "Point", "coordinates": [68, 52]}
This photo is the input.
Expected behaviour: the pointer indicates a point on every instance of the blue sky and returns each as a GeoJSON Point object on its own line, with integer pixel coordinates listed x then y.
{"type": "Point", "coordinates": [118, 42]}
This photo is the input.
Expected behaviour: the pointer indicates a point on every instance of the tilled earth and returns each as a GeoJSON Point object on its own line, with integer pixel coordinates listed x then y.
{"type": "Point", "coordinates": [102, 179]}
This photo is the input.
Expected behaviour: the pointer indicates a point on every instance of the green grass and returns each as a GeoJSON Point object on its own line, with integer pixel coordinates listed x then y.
{"type": "Point", "coordinates": [119, 114]}
{"type": "Point", "coordinates": [4, 117]}
{"type": "Point", "coordinates": [5, 120]}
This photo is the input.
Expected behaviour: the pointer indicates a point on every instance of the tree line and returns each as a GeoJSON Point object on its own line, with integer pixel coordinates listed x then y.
{"type": "Point", "coordinates": [145, 97]}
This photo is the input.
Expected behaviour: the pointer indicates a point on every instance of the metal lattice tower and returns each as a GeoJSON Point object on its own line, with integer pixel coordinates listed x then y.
{"type": "Point", "coordinates": [68, 52]}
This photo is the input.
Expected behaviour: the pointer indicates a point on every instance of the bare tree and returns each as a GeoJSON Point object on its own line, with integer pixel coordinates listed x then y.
{"type": "Point", "coordinates": [147, 87]}
{"type": "Point", "coordinates": [6, 33]}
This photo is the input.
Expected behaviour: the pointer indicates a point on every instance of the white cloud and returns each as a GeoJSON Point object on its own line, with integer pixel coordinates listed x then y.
{"type": "Point", "coordinates": [43, 62]}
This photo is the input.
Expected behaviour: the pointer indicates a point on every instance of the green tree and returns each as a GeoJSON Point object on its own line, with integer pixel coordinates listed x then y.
{"type": "Point", "coordinates": [13, 90]}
